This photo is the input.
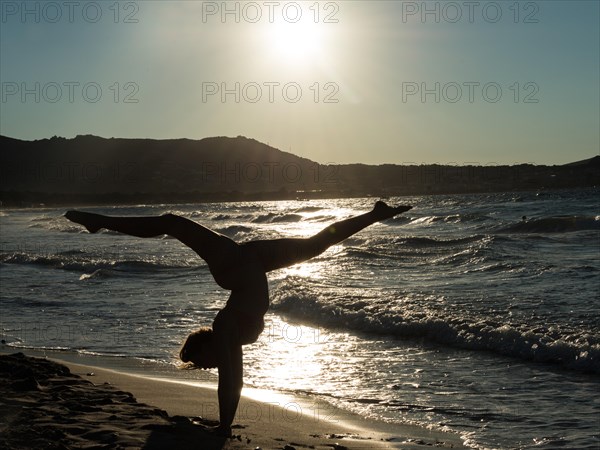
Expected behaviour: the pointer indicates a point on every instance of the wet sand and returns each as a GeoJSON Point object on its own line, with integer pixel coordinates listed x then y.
{"type": "Point", "coordinates": [54, 404]}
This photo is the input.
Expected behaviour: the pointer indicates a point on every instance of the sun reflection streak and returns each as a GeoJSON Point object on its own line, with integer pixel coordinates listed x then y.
{"type": "Point", "coordinates": [298, 348]}
{"type": "Point", "coordinates": [311, 222]}
{"type": "Point", "coordinates": [305, 359]}
{"type": "Point", "coordinates": [305, 270]}
{"type": "Point", "coordinates": [296, 355]}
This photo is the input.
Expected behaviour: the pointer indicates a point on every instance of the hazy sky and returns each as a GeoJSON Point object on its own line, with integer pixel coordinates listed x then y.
{"type": "Point", "coordinates": [337, 82]}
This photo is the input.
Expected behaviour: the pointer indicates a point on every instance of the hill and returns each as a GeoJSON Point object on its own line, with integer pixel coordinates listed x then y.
{"type": "Point", "coordinates": [91, 169]}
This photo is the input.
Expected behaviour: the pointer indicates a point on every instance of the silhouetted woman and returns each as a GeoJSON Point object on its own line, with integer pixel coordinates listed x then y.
{"type": "Point", "coordinates": [240, 268]}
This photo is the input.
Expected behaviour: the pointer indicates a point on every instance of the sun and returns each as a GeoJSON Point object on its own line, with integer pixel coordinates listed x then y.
{"type": "Point", "coordinates": [295, 43]}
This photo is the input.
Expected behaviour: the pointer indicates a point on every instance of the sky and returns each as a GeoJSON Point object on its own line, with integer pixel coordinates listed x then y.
{"type": "Point", "coordinates": [465, 82]}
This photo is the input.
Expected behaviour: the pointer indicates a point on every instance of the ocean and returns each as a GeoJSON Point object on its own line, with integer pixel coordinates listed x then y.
{"type": "Point", "coordinates": [477, 314]}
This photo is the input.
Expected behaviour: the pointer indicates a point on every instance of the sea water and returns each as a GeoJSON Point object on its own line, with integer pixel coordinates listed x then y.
{"type": "Point", "coordinates": [472, 313]}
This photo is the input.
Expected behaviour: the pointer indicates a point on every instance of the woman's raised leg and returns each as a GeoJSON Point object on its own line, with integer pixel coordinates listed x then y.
{"type": "Point", "coordinates": [209, 245]}
{"type": "Point", "coordinates": [279, 253]}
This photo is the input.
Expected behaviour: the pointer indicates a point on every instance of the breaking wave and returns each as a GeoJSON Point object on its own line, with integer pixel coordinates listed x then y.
{"type": "Point", "coordinates": [275, 218]}
{"type": "Point", "coordinates": [572, 349]}
{"type": "Point", "coordinates": [563, 224]}
{"type": "Point", "coordinates": [71, 260]}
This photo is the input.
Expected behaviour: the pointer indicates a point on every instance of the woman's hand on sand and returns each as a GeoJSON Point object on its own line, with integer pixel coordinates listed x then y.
{"type": "Point", "coordinates": [221, 431]}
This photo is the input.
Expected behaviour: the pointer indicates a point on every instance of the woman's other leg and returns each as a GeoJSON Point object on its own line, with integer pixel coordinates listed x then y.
{"type": "Point", "coordinates": [279, 253]}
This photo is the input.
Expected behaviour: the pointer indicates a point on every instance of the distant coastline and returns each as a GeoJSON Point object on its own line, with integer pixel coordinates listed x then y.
{"type": "Point", "coordinates": [88, 170]}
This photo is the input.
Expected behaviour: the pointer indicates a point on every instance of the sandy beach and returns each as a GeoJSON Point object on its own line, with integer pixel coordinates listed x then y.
{"type": "Point", "coordinates": [53, 404]}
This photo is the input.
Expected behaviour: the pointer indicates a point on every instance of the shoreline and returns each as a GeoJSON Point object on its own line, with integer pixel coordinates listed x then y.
{"type": "Point", "coordinates": [265, 419]}
{"type": "Point", "coordinates": [18, 206]}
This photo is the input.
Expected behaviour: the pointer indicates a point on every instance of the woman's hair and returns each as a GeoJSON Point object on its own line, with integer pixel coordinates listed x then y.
{"type": "Point", "coordinates": [192, 345]}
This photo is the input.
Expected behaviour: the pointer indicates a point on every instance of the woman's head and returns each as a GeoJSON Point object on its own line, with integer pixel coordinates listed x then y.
{"type": "Point", "coordinates": [199, 349]}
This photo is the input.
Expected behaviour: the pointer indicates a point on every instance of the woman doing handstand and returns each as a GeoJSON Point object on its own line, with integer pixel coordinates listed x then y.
{"type": "Point", "coordinates": [240, 268]}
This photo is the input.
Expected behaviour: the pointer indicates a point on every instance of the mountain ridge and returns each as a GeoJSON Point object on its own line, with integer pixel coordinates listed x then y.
{"type": "Point", "coordinates": [93, 169]}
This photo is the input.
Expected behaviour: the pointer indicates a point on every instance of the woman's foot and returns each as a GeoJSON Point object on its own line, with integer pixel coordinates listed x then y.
{"type": "Point", "coordinates": [383, 211]}
{"type": "Point", "coordinates": [90, 221]}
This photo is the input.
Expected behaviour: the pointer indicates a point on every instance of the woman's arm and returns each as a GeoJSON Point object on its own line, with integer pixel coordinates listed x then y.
{"type": "Point", "coordinates": [230, 384]}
